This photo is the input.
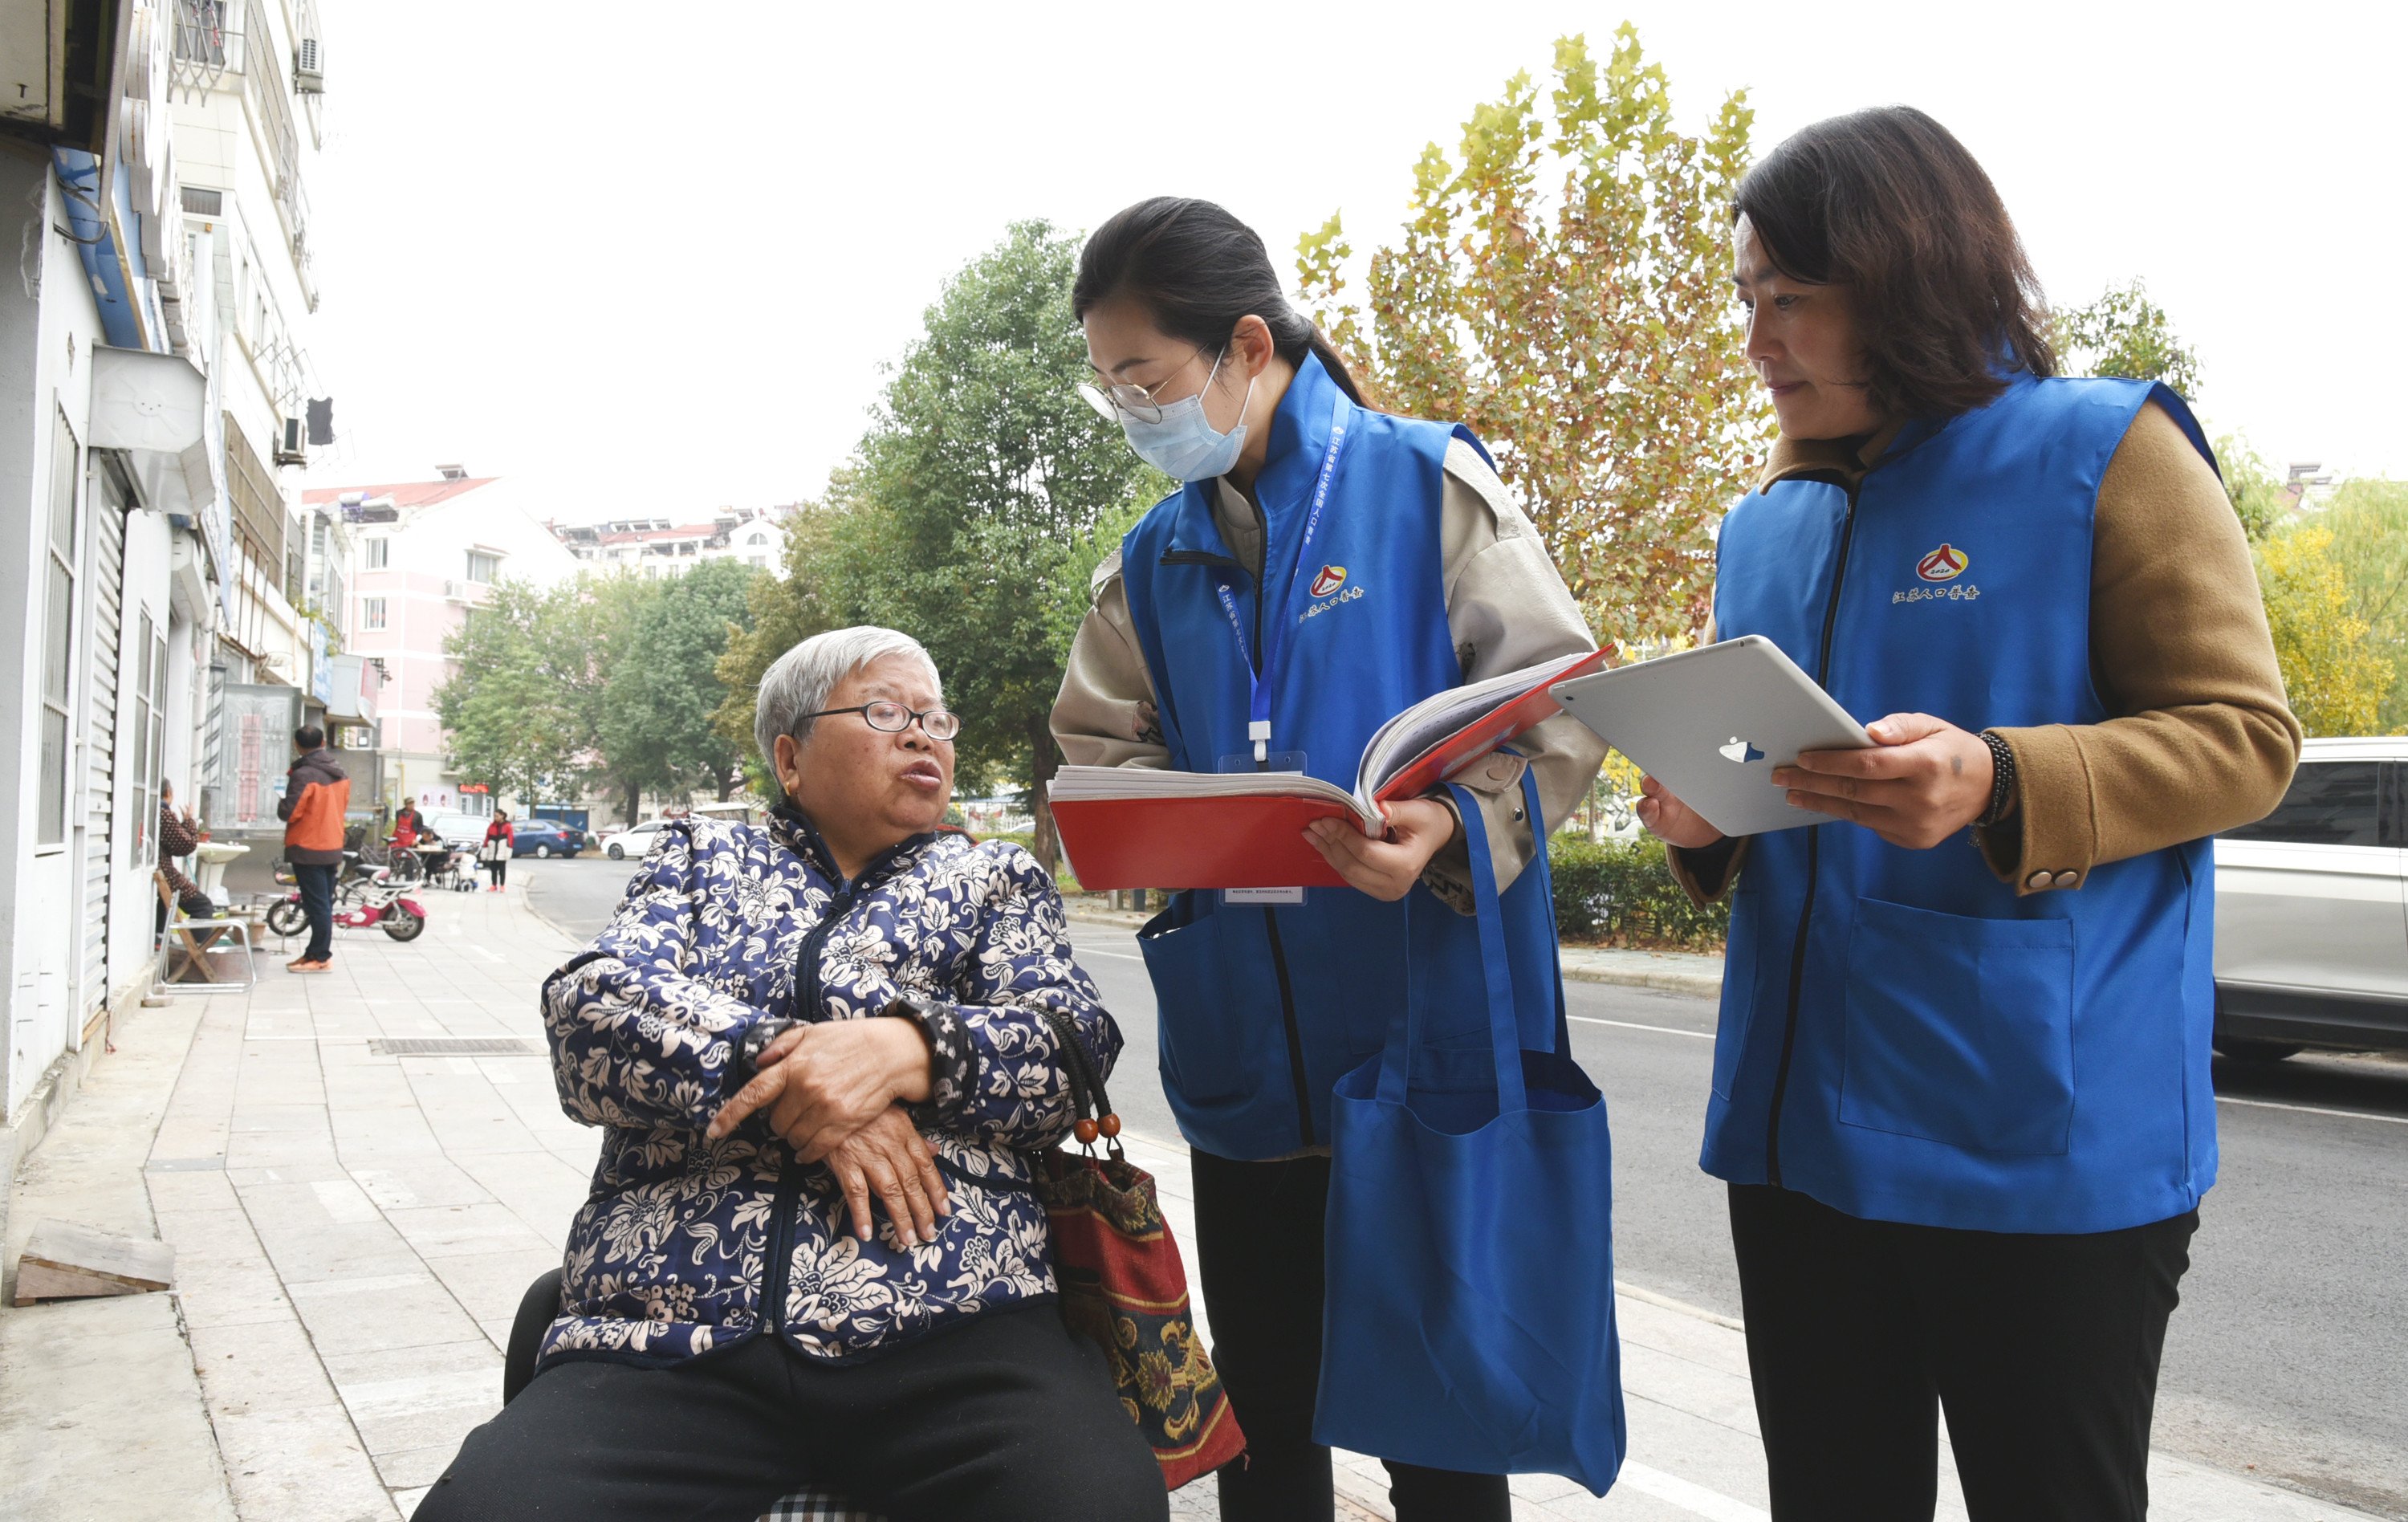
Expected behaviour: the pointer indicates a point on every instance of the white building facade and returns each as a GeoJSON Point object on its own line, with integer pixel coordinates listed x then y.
{"type": "Point", "coordinates": [656, 547]}
{"type": "Point", "coordinates": [422, 555]}
{"type": "Point", "coordinates": [152, 384]}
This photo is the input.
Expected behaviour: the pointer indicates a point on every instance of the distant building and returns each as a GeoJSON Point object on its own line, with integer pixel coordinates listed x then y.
{"type": "Point", "coordinates": [422, 553]}
{"type": "Point", "coordinates": [656, 547]}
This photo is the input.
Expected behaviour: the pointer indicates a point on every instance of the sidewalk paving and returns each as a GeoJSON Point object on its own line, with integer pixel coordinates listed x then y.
{"type": "Point", "coordinates": [354, 1229]}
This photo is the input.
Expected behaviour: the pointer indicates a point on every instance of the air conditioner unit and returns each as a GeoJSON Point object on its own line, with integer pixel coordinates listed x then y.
{"type": "Point", "coordinates": [289, 448]}
{"type": "Point", "coordinates": [309, 68]}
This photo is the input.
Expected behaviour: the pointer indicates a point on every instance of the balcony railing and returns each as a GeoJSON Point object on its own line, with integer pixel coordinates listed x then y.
{"type": "Point", "coordinates": [207, 46]}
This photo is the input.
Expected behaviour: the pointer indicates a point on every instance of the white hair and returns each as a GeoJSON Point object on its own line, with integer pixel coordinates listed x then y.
{"type": "Point", "coordinates": [800, 681]}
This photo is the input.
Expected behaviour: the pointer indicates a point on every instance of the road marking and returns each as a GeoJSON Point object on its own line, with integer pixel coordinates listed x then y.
{"type": "Point", "coordinates": [1693, 1499]}
{"type": "Point", "coordinates": [1633, 1025]}
{"type": "Point", "coordinates": [2313, 1109]}
{"type": "Point", "coordinates": [1090, 951]}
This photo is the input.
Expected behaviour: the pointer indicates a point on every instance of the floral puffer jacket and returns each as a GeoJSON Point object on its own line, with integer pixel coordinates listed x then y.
{"type": "Point", "coordinates": [685, 1239]}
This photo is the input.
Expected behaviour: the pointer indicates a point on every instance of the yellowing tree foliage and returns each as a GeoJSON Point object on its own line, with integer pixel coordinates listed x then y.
{"type": "Point", "coordinates": [2335, 680]}
{"type": "Point", "coordinates": [1563, 287]}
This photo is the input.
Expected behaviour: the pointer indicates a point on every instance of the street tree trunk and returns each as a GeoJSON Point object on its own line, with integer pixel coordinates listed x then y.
{"type": "Point", "coordinates": [1042, 762]}
{"type": "Point", "coordinates": [635, 803]}
{"type": "Point", "coordinates": [728, 780]}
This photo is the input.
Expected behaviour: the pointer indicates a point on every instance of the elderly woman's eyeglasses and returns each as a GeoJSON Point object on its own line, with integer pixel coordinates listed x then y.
{"type": "Point", "coordinates": [893, 718]}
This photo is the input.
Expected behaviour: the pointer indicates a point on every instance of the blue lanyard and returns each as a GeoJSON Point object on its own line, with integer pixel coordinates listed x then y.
{"type": "Point", "coordinates": [1262, 684]}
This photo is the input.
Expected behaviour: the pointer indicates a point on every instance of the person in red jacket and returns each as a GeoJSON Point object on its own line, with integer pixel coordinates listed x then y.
{"type": "Point", "coordinates": [495, 852]}
{"type": "Point", "coordinates": [316, 793]}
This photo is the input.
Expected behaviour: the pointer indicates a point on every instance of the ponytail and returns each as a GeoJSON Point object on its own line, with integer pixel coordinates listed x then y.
{"type": "Point", "coordinates": [1199, 271]}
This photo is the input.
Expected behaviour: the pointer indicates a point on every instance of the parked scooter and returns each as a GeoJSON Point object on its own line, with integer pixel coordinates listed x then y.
{"type": "Point", "coordinates": [379, 901]}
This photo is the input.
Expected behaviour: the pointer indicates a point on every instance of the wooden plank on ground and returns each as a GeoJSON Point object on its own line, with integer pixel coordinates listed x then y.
{"type": "Point", "coordinates": [66, 1261]}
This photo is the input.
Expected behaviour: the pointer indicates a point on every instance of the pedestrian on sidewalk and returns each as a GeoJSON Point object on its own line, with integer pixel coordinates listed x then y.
{"type": "Point", "coordinates": [784, 1024]}
{"type": "Point", "coordinates": [316, 793]}
{"type": "Point", "coordinates": [1225, 387]}
{"type": "Point", "coordinates": [179, 835]}
{"type": "Point", "coordinates": [1961, 1083]}
{"type": "Point", "coordinates": [495, 851]}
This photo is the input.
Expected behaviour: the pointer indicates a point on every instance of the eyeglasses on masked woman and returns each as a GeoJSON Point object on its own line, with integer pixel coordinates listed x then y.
{"type": "Point", "coordinates": [1114, 400]}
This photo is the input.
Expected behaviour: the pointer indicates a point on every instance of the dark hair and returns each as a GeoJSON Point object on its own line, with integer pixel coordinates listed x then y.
{"type": "Point", "coordinates": [308, 736]}
{"type": "Point", "coordinates": [1199, 271]}
{"type": "Point", "coordinates": [1889, 204]}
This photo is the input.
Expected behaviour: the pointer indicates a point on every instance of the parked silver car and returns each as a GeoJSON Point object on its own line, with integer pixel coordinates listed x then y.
{"type": "Point", "coordinates": [2312, 910]}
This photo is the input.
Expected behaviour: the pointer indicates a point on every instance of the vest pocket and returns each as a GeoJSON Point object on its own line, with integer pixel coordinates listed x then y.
{"type": "Point", "coordinates": [1212, 1015]}
{"type": "Point", "coordinates": [1961, 1030]}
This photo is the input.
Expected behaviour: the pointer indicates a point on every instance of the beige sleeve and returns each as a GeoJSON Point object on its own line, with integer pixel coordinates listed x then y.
{"type": "Point", "coordinates": [1507, 607]}
{"type": "Point", "coordinates": [2205, 738]}
{"type": "Point", "coordinates": [1104, 715]}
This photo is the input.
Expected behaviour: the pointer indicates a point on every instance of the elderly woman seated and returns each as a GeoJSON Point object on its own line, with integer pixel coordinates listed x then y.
{"type": "Point", "coordinates": [823, 1048]}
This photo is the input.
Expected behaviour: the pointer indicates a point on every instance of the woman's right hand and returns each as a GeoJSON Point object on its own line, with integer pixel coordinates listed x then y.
{"type": "Point", "coordinates": [1671, 821]}
{"type": "Point", "coordinates": [891, 1159]}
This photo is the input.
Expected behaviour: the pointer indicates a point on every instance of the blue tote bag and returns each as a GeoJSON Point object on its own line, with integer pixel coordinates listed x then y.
{"type": "Point", "coordinates": [1469, 1319]}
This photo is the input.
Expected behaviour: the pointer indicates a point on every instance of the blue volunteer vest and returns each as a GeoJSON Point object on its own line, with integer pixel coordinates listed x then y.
{"type": "Point", "coordinates": [1262, 1008]}
{"type": "Point", "coordinates": [1902, 1036]}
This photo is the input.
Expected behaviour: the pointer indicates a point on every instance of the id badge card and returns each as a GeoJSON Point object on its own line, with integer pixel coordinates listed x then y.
{"type": "Point", "coordinates": [1275, 761]}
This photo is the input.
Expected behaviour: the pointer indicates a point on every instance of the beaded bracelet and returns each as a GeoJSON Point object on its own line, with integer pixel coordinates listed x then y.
{"type": "Point", "coordinates": [2002, 780]}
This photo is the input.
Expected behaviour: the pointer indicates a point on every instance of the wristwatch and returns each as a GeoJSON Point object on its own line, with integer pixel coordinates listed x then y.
{"type": "Point", "coordinates": [756, 1040]}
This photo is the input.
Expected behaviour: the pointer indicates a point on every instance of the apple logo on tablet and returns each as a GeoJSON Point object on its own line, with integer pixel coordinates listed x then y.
{"type": "Point", "coordinates": [1739, 751]}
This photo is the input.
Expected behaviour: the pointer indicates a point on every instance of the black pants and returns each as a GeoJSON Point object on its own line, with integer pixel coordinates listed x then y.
{"type": "Point", "coordinates": [1258, 1257]}
{"type": "Point", "coordinates": [498, 870]}
{"type": "Point", "coordinates": [2043, 1349]}
{"type": "Point", "coordinates": [1004, 1418]}
{"type": "Point", "coordinates": [317, 885]}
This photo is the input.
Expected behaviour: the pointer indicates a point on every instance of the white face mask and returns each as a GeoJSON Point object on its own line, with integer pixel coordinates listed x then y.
{"type": "Point", "coordinates": [1183, 444]}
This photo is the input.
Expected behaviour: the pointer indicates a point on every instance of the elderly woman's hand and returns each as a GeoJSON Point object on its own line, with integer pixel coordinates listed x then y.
{"type": "Point", "coordinates": [822, 1083]}
{"type": "Point", "coordinates": [891, 1159]}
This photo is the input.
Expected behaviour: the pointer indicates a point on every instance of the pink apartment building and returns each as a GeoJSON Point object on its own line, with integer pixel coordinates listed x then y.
{"type": "Point", "coordinates": [424, 553]}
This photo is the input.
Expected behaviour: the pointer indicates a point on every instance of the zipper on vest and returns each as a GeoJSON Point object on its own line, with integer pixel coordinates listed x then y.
{"type": "Point", "coordinates": [1813, 860]}
{"type": "Point", "coordinates": [1270, 916]}
{"type": "Point", "coordinates": [1204, 557]}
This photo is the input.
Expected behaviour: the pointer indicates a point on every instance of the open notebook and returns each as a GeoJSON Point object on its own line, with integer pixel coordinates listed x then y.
{"type": "Point", "coordinates": [1146, 827]}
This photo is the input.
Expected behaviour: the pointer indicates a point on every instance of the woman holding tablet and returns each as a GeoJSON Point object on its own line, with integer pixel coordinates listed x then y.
{"type": "Point", "coordinates": [1960, 1085]}
{"type": "Point", "coordinates": [1222, 636]}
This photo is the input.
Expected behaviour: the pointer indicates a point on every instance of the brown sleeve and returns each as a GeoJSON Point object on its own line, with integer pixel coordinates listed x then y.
{"type": "Point", "coordinates": [2203, 739]}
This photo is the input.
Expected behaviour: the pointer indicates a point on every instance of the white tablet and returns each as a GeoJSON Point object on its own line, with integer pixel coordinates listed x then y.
{"type": "Point", "coordinates": [1712, 724]}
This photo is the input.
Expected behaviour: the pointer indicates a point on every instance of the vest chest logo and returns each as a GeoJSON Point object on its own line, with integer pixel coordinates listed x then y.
{"type": "Point", "coordinates": [1944, 564]}
{"type": "Point", "coordinates": [1938, 574]}
{"type": "Point", "coordinates": [1329, 590]}
{"type": "Point", "coordinates": [1330, 581]}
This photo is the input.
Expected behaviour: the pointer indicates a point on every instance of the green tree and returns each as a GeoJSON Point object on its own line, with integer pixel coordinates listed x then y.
{"type": "Point", "coordinates": [506, 721]}
{"type": "Point", "coordinates": [2126, 335]}
{"type": "Point", "coordinates": [2335, 681]}
{"type": "Point", "coordinates": [782, 612]}
{"type": "Point", "coordinates": [663, 684]}
{"type": "Point", "coordinates": [2368, 518]}
{"type": "Point", "coordinates": [2255, 491]}
{"type": "Point", "coordinates": [1563, 287]}
{"type": "Point", "coordinates": [983, 493]}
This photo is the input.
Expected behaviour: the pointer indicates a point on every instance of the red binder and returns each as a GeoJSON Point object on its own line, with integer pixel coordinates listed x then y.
{"type": "Point", "coordinates": [1143, 827]}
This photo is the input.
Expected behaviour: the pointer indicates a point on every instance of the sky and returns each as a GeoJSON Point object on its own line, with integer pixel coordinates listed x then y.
{"type": "Point", "coordinates": [648, 268]}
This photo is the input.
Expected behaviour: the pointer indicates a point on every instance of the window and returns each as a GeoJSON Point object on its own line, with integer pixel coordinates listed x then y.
{"type": "Point", "coordinates": [378, 550]}
{"type": "Point", "coordinates": [758, 539]}
{"type": "Point", "coordinates": [2330, 803]}
{"type": "Point", "coordinates": [58, 636]}
{"type": "Point", "coordinates": [484, 565]}
{"type": "Point", "coordinates": [372, 613]}
{"type": "Point", "coordinates": [148, 694]}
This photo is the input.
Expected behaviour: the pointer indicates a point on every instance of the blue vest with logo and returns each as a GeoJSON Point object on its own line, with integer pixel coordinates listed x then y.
{"type": "Point", "coordinates": [1264, 1008]}
{"type": "Point", "coordinates": [1902, 1036]}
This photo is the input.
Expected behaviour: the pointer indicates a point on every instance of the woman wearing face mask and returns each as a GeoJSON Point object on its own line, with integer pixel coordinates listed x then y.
{"type": "Point", "coordinates": [1960, 1087]}
{"type": "Point", "coordinates": [1194, 647]}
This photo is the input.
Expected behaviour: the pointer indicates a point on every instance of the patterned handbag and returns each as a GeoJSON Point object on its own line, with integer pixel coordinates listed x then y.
{"type": "Point", "coordinates": [1123, 1285]}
